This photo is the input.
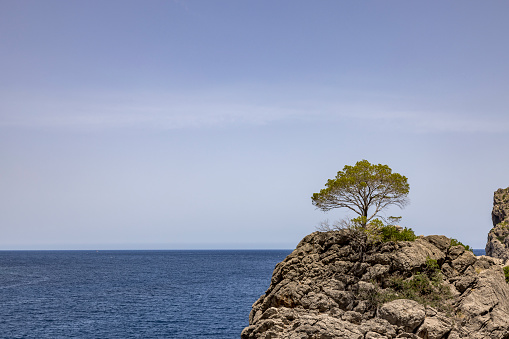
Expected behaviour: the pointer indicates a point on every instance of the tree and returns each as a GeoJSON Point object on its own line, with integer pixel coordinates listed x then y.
{"type": "Point", "coordinates": [361, 187]}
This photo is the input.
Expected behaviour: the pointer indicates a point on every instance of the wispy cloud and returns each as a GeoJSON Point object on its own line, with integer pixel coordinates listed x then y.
{"type": "Point", "coordinates": [231, 107]}
{"type": "Point", "coordinates": [430, 121]}
{"type": "Point", "coordinates": [441, 122]}
{"type": "Point", "coordinates": [165, 111]}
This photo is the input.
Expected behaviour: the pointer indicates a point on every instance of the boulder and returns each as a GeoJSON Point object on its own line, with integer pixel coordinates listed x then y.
{"type": "Point", "coordinates": [405, 313]}
{"type": "Point", "coordinates": [435, 327]}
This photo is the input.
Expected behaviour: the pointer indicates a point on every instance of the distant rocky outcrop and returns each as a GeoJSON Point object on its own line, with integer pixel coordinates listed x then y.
{"type": "Point", "coordinates": [338, 285]}
{"type": "Point", "coordinates": [498, 238]}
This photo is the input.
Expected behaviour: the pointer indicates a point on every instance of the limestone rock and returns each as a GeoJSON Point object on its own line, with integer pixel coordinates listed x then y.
{"type": "Point", "coordinates": [500, 211]}
{"type": "Point", "coordinates": [497, 245]}
{"type": "Point", "coordinates": [435, 327]}
{"type": "Point", "coordinates": [335, 286]}
{"type": "Point", "coordinates": [410, 258]}
{"type": "Point", "coordinates": [406, 313]}
{"type": "Point", "coordinates": [485, 306]}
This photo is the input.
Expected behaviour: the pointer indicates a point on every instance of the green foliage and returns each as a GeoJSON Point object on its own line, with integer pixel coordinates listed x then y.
{"type": "Point", "coordinates": [433, 272]}
{"type": "Point", "coordinates": [376, 231]}
{"type": "Point", "coordinates": [431, 266]}
{"type": "Point", "coordinates": [359, 221]}
{"type": "Point", "coordinates": [456, 242]}
{"type": "Point", "coordinates": [420, 284]}
{"type": "Point", "coordinates": [362, 187]}
{"type": "Point", "coordinates": [392, 233]}
{"type": "Point", "coordinates": [376, 223]}
{"type": "Point", "coordinates": [425, 287]}
{"type": "Point", "coordinates": [506, 273]}
{"type": "Point", "coordinates": [369, 232]}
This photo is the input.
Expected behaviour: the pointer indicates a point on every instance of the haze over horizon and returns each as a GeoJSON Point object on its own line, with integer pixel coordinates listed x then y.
{"type": "Point", "coordinates": [206, 125]}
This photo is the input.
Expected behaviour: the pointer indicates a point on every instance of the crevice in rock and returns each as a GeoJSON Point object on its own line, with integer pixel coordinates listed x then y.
{"type": "Point", "coordinates": [490, 309]}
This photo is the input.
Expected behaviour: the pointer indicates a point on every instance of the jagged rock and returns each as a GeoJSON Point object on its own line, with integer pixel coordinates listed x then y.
{"type": "Point", "coordinates": [379, 326]}
{"type": "Point", "coordinates": [435, 327]}
{"type": "Point", "coordinates": [500, 211]}
{"type": "Point", "coordinates": [411, 256]}
{"type": "Point", "coordinates": [497, 245]}
{"type": "Point", "coordinates": [335, 286]}
{"type": "Point", "coordinates": [403, 312]}
{"type": "Point", "coordinates": [485, 306]}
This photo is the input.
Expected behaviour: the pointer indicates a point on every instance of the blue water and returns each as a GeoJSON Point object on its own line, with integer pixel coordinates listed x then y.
{"type": "Point", "coordinates": [479, 251]}
{"type": "Point", "coordinates": [131, 294]}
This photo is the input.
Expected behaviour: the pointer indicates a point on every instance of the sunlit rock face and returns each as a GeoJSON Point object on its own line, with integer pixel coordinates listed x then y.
{"type": "Point", "coordinates": [498, 238]}
{"type": "Point", "coordinates": [334, 285]}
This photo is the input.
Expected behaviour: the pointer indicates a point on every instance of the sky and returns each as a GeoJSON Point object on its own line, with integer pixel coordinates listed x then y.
{"type": "Point", "coordinates": [198, 124]}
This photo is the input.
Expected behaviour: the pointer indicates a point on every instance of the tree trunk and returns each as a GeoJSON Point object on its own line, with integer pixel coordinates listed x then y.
{"type": "Point", "coordinates": [364, 217]}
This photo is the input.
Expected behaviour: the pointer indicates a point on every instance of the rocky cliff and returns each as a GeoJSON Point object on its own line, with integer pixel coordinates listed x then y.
{"type": "Point", "coordinates": [498, 238]}
{"type": "Point", "coordinates": [338, 285]}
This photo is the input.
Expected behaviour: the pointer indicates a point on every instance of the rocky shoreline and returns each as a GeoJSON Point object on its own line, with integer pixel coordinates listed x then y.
{"type": "Point", "coordinates": [337, 284]}
{"type": "Point", "coordinates": [330, 288]}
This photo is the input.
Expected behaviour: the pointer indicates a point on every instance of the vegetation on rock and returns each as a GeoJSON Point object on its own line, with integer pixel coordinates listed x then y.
{"type": "Point", "coordinates": [392, 233]}
{"type": "Point", "coordinates": [338, 284]}
{"type": "Point", "coordinates": [456, 242]}
{"type": "Point", "coordinates": [424, 287]}
{"type": "Point", "coordinates": [361, 187]}
{"type": "Point", "coordinates": [375, 231]}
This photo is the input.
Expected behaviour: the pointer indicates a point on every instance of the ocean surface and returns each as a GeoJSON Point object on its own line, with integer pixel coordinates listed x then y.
{"type": "Point", "coordinates": [479, 251]}
{"type": "Point", "coordinates": [131, 294]}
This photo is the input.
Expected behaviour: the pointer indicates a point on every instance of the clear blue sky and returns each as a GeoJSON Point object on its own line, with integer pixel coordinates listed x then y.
{"type": "Point", "coordinates": [209, 124]}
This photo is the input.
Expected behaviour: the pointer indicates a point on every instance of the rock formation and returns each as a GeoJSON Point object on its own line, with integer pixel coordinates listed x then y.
{"type": "Point", "coordinates": [498, 238]}
{"type": "Point", "coordinates": [337, 285]}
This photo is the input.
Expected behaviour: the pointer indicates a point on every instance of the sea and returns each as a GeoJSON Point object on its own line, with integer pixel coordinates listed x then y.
{"type": "Point", "coordinates": [132, 294]}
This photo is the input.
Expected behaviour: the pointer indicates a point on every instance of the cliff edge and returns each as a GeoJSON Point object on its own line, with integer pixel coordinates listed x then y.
{"type": "Point", "coordinates": [339, 285]}
{"type": "Point", "coordinates": [497, 245]}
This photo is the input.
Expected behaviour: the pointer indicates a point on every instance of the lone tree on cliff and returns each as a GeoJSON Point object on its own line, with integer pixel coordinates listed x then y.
{"type": "Point", "coordinates": [361, 187]}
